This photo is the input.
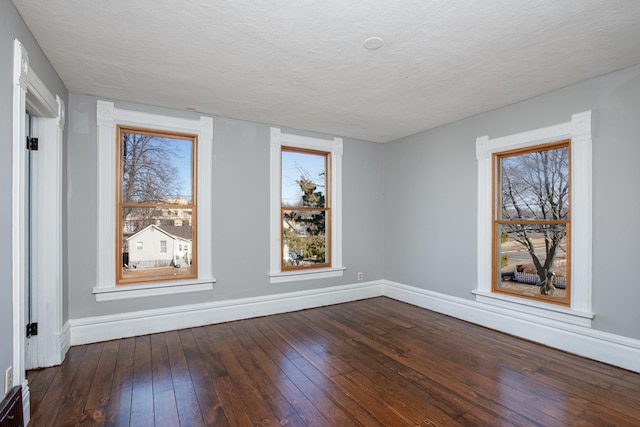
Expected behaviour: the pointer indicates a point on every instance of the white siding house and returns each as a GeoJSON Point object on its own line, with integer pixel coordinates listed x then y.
{"type": "Point", "coordinates": [160, 246]}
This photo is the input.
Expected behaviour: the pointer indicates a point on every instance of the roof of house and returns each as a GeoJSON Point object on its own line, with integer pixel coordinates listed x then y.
{"type": "Point", "coordinates": [184, 232]}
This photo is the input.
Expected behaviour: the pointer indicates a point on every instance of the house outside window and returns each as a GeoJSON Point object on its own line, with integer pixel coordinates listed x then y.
{"type": "Point", "coordinates": [305, 207]}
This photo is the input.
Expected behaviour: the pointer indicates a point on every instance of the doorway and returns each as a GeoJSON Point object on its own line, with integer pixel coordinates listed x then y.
{"type": "Point", "coordinates": [30, 242]}
{"type": "Point", "coordinates": [36, 236]}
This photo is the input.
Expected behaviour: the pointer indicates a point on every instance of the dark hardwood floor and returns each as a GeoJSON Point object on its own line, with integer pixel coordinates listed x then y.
{"type": "Point", "coordinates": [371, 362]}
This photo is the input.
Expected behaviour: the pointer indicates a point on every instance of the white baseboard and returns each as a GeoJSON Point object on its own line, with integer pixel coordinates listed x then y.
{"type": "Point", "coordinates": [602, 346]}
{"type": "Point", "coordinates": [26, 402]}
{"type": "Point", "coordinates": [65, 340]}
{"type": "Point", "coordinates": [103, 328]}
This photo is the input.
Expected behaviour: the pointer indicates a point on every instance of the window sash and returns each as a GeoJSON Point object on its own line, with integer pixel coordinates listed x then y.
{"type": "Point", "coordinates": [498, 221]}
{"type": "Point", "coordinates": [325, 208]}
{"type": "Point", "coordinates": [121, 206]}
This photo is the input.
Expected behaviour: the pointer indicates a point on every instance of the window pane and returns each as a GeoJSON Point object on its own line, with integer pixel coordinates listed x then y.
{"type": "Point", "coordinates": [305, 237]}
{"type": "Point", "coordinates": [535, 185]}
{"type": "Point", "coordinates": [156, 169]}
{"type": "Point", "coordinates": [303, 179]}
{"type": "Point", "coordinates": [517, 264]}
{"type": "Point", "coordinates": [156, 242]}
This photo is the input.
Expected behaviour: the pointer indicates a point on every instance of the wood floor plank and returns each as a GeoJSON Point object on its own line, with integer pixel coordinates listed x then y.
{"type": "Point", "coordinates": [375, 362]}
{"type": "Point", "coordinates": [240, 344]}
{"type": "Point", "coordinates": [98, 397]}
{"type": "Point", "coordinates": [261, 354]}
{"type": "Point", "coordinates": [331, 400]}
{"type": "Point", "coordinates": [358, 391]}
{"type": "Point", "coordinates": [234, 409]}
{"type": "Point", "coordinates": [72, 411]}
{"type": "Point", "coordinates": [379, 382]}
{"type": "Point", "coordinates": [485, 383]}
{"type": "Point", "coordinates": [315, 353]}
{"type": "Point", "coordinates": [444, 400]}
{"type": "Point", "coordinates": [430, 373]}
{"type": "Point", "coordinates": [53, 400]}
{"type": "Point", "coordinates": [165, 407]}
{"type": "Point", "coordinates": [473, 371]}
{"type": "Point", "coordinates": [39, 381]}
{"type": "Point", "coordinates": [204, 371]}
{"type": "Point", "coordinates": [245, 387]}
{"type": "Point", "coordinates": [528, 358]}
{"type": "Point", "coordinates": [119, 407]}
{"type": "Point", "coordinates": [189, 412]}
{"type": "Point", "coordinates": [142, 413]}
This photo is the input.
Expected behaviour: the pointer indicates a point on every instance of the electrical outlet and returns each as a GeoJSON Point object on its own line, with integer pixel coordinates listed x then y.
{"type": "Point", "coordinates": [359, 275]}
{"type": "Point", "coordinates": [8, 379]}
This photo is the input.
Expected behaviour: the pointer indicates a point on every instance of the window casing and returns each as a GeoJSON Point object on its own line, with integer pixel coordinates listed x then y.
{"type": "Point", "coordinates": [532, 223]}
{"type": "Point", "coordinates": [108, 119]}
{"type": "Point", "coordinates": [578, 311]}
{"type": "Point", "coordinates": [328, 152]}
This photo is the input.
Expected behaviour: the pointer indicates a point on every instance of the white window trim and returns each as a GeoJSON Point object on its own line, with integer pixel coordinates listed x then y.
{"type": "Point", "coordinates": [109, 118]}
{"type": "Point", "coordinates": [278, 140]}
{"type": "Point", "coordinates": [579, 131]}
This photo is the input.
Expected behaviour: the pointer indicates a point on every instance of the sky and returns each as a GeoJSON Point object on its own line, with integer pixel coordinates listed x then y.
{"type": "Point", "coordinates": [182, 161]}
{"type": "Point", "coordinates": [293, 163]}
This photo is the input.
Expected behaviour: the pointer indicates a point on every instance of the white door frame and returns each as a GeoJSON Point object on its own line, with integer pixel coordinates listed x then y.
{"type": "Point", "coordinates": [49, 345]}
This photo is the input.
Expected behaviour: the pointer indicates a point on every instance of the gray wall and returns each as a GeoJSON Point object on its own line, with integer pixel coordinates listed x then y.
{"type": "Point", "coordinates": [240, 216]}
{"type": "Point", "coordinates": [431, 195]}
{"type": "Point", "coordinates": [12, 27]}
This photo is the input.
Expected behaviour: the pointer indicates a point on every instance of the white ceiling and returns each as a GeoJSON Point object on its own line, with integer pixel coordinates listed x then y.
{"type": "Point", "coordinates": [302, 63]}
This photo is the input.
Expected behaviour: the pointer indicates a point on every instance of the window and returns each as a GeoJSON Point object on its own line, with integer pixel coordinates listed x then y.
{"type": "Point", "coordinates": [156, 177]}
{"type": "Point", "coordinates": [139, 246]}
{"type": "Point", "coordinates": [306, 217]}
{"type": "Point", "coordinates": [111, 123]}
{"type": "Point", "coordinates": [531, 226]}
{"type": "Point", "coordinates": [306, 211]}
{"type": "Point", "coordinates": [513, 223]}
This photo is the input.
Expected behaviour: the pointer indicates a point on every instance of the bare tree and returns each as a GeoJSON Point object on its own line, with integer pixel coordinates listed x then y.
{"type": "Point", "coordinates": [535, 203]}
{"type": "Point", "coordinates": [149, 174]}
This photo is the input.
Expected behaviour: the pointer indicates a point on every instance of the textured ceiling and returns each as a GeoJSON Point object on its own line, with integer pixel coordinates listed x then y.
{"type": "Point", "coordinates": [302, 63]}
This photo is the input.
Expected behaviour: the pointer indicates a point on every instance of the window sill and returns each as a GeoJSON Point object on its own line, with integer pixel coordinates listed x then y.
{"type": "Point", "coordinates": [152, 289]}
{"type": "Point", "coordinates": [521, 307]}
{"type": "Point", "coordinates": [297, 275]}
